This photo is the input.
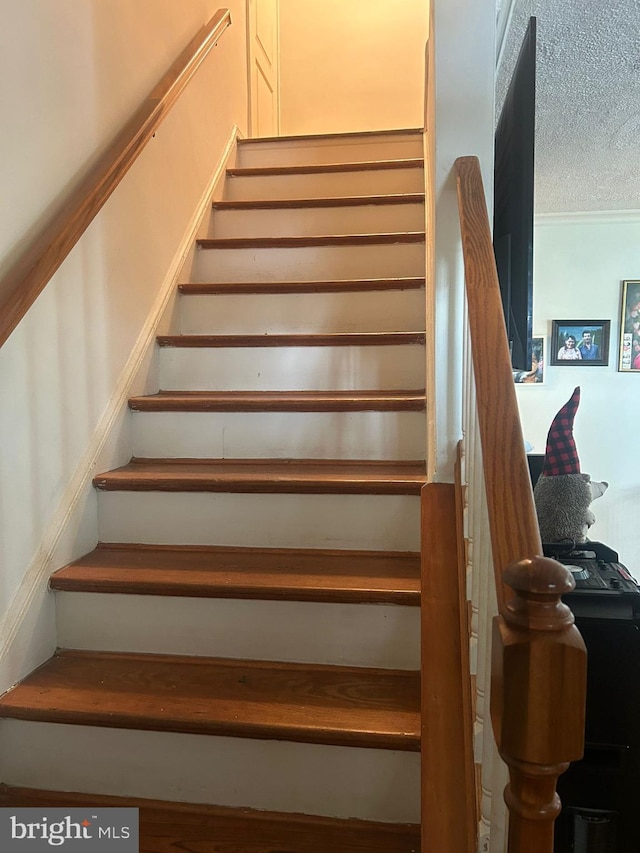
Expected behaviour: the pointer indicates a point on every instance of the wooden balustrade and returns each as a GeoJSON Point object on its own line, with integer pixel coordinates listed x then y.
{"type": "Point", "coordinates": [538, 682]}
{"type": "Point", "coordinates": [42, 256]}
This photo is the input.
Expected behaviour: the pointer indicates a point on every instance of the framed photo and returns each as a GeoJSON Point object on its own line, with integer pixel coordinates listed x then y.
{"type": "Point", "coordinates": [584, 343]}
{"type": "Point", "coordinates": [535, 376]}
{"type": "Point", "coordinates": [629, 353]}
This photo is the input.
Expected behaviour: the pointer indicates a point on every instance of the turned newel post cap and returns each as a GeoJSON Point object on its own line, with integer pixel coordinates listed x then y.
{"type": "Point", "coordinates": [538, 683]}
{"type": "Point", "coordinates": [539, 576]}
{"type": "Point", "coordinates": [538, 584]}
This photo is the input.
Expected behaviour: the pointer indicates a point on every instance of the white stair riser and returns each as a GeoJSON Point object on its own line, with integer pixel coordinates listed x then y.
{"type": "Point", "coordinates": [280, 435]}
{"type": "Point", "coordinates": [316, 221]}
{"type": "Point", "coordinates": [372, 784]}
{"type": "Point", "coordinates": [370, 635]}
{"type": "Point", "coordinates": [310, 263]}
{"type": "Point", "coordinates": [292, 368]}
{"type": "Point", "coordinates": [376, 522]}
{"type": "Point", "coordinates": [324, 184]}
{"type": "Point", "coordinates": [300, 152]}
{"type": "Point", "coordinates": [303, 313]}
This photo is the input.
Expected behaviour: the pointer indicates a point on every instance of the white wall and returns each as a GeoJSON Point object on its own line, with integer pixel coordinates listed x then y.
{"type": "Point", "coordinates": [73, 71]}
{"type": "Point", "coordinates": [351, 65]}
{"type": "Point", "coordinates": [465, 82]}
{"type": "Point", "coordinates": [579, 264]}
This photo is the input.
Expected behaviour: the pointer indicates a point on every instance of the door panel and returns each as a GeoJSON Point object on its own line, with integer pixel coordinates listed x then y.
{"type": "Point", "coordinates": [262, 17]}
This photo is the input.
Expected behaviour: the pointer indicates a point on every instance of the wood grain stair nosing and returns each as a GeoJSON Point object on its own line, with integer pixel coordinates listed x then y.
{"type": "Point", "coordinates": [274, 401]}
{"type": "Point", "coordinates": [266, 476]}
{"type": "Point", "coordinates": [231, 550]}
{"type": "Point", "coordinates": [76, 581]}
{"type": "Point", "coordinates": [353, 134]}
{"type": "Point", "coordinates": [167, 822]}
{"type": "Point", "coordinates": [324, 240]}
{"type": "Point", "coordinates": [331, 201]}
{"type": "Point", "coordinates": [357, 577]}
{"type": "Point", "coordinates": [333, 705]}
{"type": "Point", "coordinates": [326, 168]}
{"type": "Point", "coordinates": [288, 340]}
{"type": "Point", "coordinates": [270, 287]}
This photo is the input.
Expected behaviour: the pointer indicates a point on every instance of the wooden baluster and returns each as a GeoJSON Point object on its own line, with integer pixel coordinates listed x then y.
{"type": "Point", "coordinates": [538, 694]}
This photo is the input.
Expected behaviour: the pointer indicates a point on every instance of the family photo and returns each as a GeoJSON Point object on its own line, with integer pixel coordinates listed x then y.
{"type": "Point", "coordinates": [534, 376]}
{"type": "Point", "coordinates": [584, 342]}
{"type": "Point", "coordinates": [629, 355]}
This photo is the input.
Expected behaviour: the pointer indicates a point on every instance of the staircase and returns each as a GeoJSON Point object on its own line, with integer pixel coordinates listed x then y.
{"type": "Point", "coordinates": [239, 656]}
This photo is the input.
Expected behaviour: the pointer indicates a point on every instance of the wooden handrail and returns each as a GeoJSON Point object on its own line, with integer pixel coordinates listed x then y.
{"type": "Point", "coordinates": [512, 516]}
{"type": "Point", "coordinates": [538, 673]}
{"type": "Point", "coordinates": [34, 267]}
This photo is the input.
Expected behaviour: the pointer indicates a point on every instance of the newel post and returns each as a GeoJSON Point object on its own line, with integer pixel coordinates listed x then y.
{"type": "Point", "coordinates": [538, 693]}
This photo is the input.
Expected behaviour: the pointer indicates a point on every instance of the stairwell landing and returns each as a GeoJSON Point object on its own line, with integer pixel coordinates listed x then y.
{"type": "Point", "coordinates": [239, 656]}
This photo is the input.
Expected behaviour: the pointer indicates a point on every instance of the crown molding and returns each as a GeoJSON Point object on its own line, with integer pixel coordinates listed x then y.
{"type": "Point", "coordinates": [604, 217]}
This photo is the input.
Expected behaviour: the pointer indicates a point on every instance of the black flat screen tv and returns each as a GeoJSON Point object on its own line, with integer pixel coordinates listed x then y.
{"type": "Point", "coordinates": [513, 201]}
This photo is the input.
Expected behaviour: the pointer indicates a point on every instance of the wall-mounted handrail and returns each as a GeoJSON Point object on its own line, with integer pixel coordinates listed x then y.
{"type": "Point", "coordinates": [538, 666]}
{"type": "Point", "coordinates": [36, 264]}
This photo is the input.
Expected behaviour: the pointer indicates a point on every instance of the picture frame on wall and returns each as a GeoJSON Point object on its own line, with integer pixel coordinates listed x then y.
{"type": "Point", "coordinates": [582, 343]}
{"type": "Point", "coordinates": [535, 376]}
{"type": "Point", "coordinates": [629, 348]}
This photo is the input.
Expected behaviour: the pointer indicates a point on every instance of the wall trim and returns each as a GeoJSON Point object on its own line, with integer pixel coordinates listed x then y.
{"type": "Point", "coordinates": [587, 216]}
{"type": "Point", "coordinates": [36, 577]}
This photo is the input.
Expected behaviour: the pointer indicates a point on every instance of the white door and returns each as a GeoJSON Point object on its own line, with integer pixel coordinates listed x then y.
{"type": "Point", "coordinates": [262, 18]}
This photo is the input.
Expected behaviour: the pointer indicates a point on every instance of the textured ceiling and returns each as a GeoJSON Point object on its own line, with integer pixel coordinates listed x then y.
{"type": "Point", "coordinates": [587, 101]}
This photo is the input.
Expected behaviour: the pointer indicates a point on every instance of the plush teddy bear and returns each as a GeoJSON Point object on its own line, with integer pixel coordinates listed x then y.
{"type": "Point", "coordinates": [563, 495]}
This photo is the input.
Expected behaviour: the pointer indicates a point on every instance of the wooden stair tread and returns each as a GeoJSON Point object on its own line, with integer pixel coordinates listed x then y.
{"type": "Point", "coordinates": [279, 401]}
{"type": "Point", "coordinates": [299, 702]}
{"type": "Point", "coordinates": [296, 242]}
{"type": "Point", "coordinates": [166, 827]}
{"type": "Point", "coordinates": [256, 573]}
{"type": "Point", "coordinates": [344, 286]}
{"type": "Point", "coordinates": [334, 339]}
{"type": "Point", "coordinates": [331, 201]}
{"type": "Point", "coordinates": [321, 168]}
{"type": "Point", "coordinates": [348, 134]}
{"type": "Point", "coordinates": [310, 476]}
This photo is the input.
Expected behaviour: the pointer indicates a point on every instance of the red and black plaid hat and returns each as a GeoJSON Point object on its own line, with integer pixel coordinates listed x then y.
{"type": "Point", "coordinates": [561, 456]}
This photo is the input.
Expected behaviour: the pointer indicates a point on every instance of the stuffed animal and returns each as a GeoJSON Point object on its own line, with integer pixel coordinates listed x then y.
{"type": "Point", "coordinates": [563, 495]}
